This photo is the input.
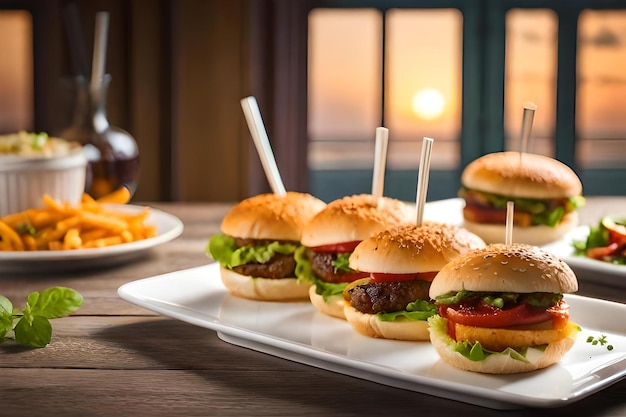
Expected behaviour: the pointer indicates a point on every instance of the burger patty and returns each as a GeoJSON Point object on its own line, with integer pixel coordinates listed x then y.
{"type": "Point", "coordinates": [385, 297]}
{"type": "Point", "coordinates": [322, 266]}
{"type": "Point", "coordinates": [280, 266]}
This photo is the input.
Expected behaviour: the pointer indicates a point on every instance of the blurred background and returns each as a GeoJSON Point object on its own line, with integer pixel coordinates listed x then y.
{"type": "Point", "coordinates": [326, 74]}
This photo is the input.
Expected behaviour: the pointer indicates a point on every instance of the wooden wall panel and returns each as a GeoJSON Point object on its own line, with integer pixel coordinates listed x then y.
{"type": "Point", "coordinates": [148, 96]}
{"type": "Point", "coordinates": [212, 143]}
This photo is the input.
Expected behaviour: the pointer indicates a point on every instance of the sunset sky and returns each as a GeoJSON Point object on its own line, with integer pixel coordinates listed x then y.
{"type": "Point", "coordinates": [424, 51]}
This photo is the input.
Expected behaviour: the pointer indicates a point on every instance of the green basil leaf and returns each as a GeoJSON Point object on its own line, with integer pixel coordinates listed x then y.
{"type": "Point", "coordinates": [35, 333]}
{"type": "Point", "coordinates": [54, 302]}
{"type": "Point", "coordinates": [6, 308]}
{"type": "Point", "coordinates": [6, 317]}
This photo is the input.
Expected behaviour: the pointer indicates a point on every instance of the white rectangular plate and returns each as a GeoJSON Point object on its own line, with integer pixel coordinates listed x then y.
{"type": "Point", "coordinates": [298, 332]}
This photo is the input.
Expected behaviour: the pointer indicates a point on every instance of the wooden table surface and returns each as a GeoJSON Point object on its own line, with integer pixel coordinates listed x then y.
{"type": "Point", "coordinates": [115, 359]}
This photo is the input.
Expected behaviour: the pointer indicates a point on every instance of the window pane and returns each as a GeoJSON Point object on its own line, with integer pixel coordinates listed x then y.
{"type": "Point", "coordinates": [16, 69]}
{"type": "Point", "coordinates": [424, 66]}
{"type": "Point", "coordinates": [344, 87]}
{"type": "Point", "coordinates": [601, 94]}
{"type": "Point", "coordinates": [530, 76]}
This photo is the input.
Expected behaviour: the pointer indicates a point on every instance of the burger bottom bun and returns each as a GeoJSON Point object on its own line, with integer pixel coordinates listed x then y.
{"type": "Point", "coordinates": [332, 306]}
{"type": "Point", "coordinates": [532, 235]}
{"type": "Point", "coordinates": [501, 363]}
{"type": "Point", "coordinates": [370, 325]}
{"type": "Point", "coordinates": [264, 289]}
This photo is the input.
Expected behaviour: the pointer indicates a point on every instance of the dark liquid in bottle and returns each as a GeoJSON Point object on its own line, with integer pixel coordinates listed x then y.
{"type": "Point", "coordinates": [111, 152]}
{"type": "Point", "coordinates": [104, 177]}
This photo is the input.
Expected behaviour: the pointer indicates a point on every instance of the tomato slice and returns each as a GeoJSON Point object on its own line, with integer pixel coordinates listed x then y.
{"type": "Point", "coordinates": [351, 276]}
{"type": "Point", "coordinates": [484, 315]}
{"type": "Point", "coordinates": [602, 251]}
{"type": "Point", "coordinates": [382, 277]}
{"type": "Point", "coordinates": [343, 247]}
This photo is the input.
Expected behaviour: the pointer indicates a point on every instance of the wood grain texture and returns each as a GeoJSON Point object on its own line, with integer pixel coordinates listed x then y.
{"type": "Point", "coordinates": [112, 358]}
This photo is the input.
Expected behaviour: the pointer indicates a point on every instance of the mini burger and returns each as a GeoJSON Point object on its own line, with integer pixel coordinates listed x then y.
{"type": "Point", "coordinates": [502, 311]}
{"type": "Point", "coordinates": [546, 194]}
{"type": "Point", "coordinates": [331, 236]}
{"type": "Point", "coordinates": [392, 302]}
{"type": "Point", "coordinates": [260, 236]}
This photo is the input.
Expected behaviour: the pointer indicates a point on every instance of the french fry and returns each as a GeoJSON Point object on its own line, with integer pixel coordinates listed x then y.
{"type": "Point", "coordinates": [61, 226]}
{"type": "Point", "coordinates": [72, 240]}
{"type": "Point", "coordinates": [10, 237]}
{"type": "Point", "coordinates": [52, 203]}
{"type": "Point", "coordinates": [105, 222]}
{"type": "Point", "coordinates": [105, 241]}
{"type": "Point", "coordinates": [29, 242]}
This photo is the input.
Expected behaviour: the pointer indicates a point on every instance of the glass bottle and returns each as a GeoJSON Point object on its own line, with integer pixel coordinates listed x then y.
{"type": "Point", "coordinates": [112, 153]}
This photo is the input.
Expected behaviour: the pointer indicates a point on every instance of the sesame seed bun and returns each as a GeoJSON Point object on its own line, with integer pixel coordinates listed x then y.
{"type": "Point", "coordinates": [409, 249]}
{"type": "Point", "coordinates": [272, 216]}
{"type": "Point", "coordinates": [353, 218]}
{"type": "Point", "coordinates": [501, 268]}
{"type": "Point", "coordinates": [520, 175]}
{"type": "Point", "coordinates": [269, 217]}
{"type": "Point", "coordinates": [526, 175]}
{"type": "Point", "coordinates": [514, 268]}
{"type": "Point", "coordinates": [406, 249]}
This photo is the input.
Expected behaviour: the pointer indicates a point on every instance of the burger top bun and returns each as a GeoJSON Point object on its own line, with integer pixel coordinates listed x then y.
{"type": "Point", "coordinates": [515, 268]}
{"type": "Point", "coordinates": [353, 218]}
{"type": "Point", "coordinates": [410, 249]}
{"type": "Point", "coordinates": [521, 175]}
{"type": "Point", "coordinates": [271, 216]}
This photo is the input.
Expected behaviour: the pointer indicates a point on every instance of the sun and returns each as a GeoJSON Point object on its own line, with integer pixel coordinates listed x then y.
{"type": "Point", "coordinates": [428, 103]}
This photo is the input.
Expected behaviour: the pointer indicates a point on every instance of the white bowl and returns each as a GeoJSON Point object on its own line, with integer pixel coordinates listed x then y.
{"type": "Point", "coordinates": [24, 180]}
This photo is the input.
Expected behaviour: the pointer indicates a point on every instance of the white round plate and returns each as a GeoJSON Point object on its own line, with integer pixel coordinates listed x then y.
{"type": "Point", "coordinates": [168, 226]}
{"type": "Point", "coordinates": [600, 272]}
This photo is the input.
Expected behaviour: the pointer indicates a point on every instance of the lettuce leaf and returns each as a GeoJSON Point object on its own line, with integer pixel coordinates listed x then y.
{"type": "Point", "coordinates": [454, 297]}
{"type": "Point", "coordinates": [417, 310]}
{"type": "Point", "coordinates": [342, 263]}
{"type": "Point", "coordinates": [538, 209]}
{"type": "Point", "coordinates": [222, 249]}
{"type": "Point", "coordinates": [304, 272]}
{"type": "Point", "coordinates": [329, 289]}
{"type": "Point", "coordinates": [500, 299]}
{"type": "Point", "coordinates": [304, 269]}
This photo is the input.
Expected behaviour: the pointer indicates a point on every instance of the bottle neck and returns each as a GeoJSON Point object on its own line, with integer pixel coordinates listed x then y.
{"type": "Point", "coordinates": [90, 106]}
{"type": "Point", "coordinates": [98, 108]}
